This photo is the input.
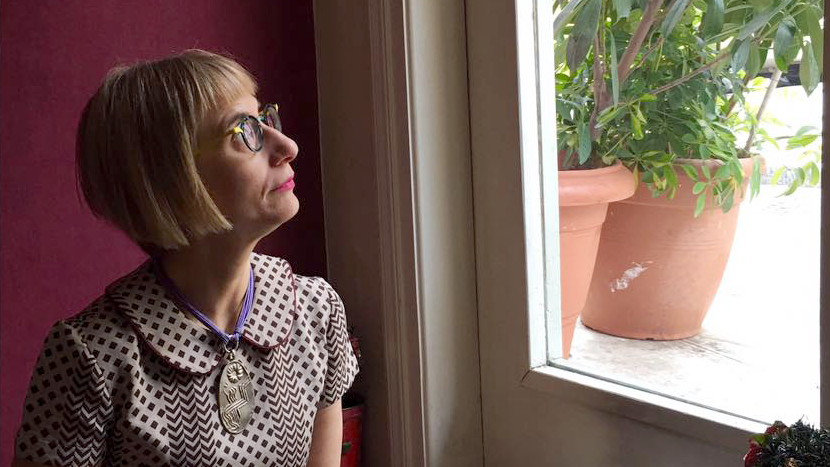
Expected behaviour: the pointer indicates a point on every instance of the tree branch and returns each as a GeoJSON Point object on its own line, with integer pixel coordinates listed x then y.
{"type": "Point", "coordinates": [776, 75]}
{"type": "Point", "coordinates": [636, 42]}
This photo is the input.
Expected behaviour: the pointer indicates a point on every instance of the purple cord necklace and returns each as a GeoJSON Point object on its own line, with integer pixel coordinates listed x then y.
{"type": "Point", "coordinates": [236, 393]}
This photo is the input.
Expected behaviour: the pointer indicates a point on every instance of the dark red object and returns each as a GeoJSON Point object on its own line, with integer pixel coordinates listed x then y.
{"type": "Point", "coordinates": [751, 457]}
{"type": "Point", "coordinates": [352, 430]}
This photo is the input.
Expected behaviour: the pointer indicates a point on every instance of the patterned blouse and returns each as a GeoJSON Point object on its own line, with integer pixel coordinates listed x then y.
{"type": "Point", "coordinates": [132, 380]}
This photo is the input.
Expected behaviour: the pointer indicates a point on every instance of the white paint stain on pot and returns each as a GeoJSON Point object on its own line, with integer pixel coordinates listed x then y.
{"type": "Point", "coordinates": [629, 275]}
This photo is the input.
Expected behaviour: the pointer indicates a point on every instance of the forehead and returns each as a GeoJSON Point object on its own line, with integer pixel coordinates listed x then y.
{"type": "Point", "coordinates": [231, 112]}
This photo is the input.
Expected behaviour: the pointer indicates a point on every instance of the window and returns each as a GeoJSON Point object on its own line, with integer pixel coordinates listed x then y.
{"type": "Point", "coordinates": [535, 407]}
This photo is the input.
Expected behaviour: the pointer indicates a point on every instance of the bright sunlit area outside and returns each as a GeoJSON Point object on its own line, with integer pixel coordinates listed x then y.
{"type": "Point", "coordinates": [701, 282]}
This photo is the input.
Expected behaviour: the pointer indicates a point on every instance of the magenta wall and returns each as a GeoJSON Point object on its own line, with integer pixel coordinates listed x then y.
{"type": "Point", "coordinates": [54, 256]}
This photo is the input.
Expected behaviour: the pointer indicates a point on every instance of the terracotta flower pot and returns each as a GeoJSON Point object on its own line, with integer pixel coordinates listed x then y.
{"type": "Point", "coordinates": [583, 200]}
{"type": "Point", "coordinates": [659, 267]}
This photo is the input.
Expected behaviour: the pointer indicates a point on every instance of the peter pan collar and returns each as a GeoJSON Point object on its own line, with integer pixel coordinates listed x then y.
{"type": "Point", "coordinates": [184, 343]}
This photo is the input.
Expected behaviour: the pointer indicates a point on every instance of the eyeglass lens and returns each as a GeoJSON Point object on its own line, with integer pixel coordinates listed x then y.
{"type": "Point", "coordinates": [272, 117]}
{"type": "Point", "coordinates": [252, 128]}
{"type": "Point", "coordinates": [252, 133]}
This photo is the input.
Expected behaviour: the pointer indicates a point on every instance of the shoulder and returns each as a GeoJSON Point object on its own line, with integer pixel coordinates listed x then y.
{"type": "Point", "coordinates": [99, 317]}
{"type": "Point", "coordinates": [314, 298]}
{"type": "Point", "coordinates": [314, 289]}
{"type": "Point", "coordinates": [98, 331]}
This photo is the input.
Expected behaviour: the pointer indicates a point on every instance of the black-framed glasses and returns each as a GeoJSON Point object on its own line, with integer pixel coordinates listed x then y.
{"type": "Point", "coordinates": [250, 127]}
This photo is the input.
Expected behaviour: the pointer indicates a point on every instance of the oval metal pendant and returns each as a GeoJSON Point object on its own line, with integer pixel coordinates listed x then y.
{"type": "Point", "coordinates": [236, 396]}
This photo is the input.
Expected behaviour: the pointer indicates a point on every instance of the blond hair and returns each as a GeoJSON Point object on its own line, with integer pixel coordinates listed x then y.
{"type": "Point", "coordinates": [136, 142]}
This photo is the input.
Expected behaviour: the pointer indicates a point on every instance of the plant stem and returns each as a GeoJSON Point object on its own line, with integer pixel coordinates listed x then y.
{"type": "Point", "coordinates": [723, 56]}
{"type": "Point", "coordinates": [615, 145]}
{"type": "Point", "coordinates": [652, 49]}
{"type": "Point", "coordinates": [773, 83]}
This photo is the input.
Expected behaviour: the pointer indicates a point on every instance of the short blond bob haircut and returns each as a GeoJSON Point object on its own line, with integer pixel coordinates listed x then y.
{"type": "Point", "coordinates": [136, 142]}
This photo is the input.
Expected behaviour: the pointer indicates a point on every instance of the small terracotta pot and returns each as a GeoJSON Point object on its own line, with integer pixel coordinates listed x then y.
{"type": "Point", "coordinates": [658, 267]}
{"type": "Point", "coordinates": [583, 200]}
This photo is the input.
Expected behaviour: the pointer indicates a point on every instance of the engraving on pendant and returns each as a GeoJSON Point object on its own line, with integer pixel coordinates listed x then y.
{"type": "Point", "coordinates": [236, 396]}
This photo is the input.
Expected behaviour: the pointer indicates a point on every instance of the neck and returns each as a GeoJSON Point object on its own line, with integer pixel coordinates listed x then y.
{"type": "Point", "coordinates": [212, 274]}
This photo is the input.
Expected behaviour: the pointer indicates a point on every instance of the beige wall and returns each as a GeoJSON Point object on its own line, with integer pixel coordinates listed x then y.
{"type": "Point", "coordinates": [349, 184]}
{"type": "Point", "coordinates": [398, 204]}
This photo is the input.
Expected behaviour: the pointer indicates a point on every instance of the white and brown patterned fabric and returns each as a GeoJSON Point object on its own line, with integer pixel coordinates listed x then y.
{"type": "Point", "coordinates": [132, 380]}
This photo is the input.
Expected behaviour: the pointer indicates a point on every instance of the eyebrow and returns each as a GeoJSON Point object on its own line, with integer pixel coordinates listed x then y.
{"type": "Point", "coordinates": [239, 116]}
{"type": "Point", "coordinates": [234, 119]}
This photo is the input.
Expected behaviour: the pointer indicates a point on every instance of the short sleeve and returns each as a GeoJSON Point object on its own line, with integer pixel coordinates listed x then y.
{"type": "Point", "coordinates": [68, 407]}
{"type": "Point", "coordinates": [342, 364]}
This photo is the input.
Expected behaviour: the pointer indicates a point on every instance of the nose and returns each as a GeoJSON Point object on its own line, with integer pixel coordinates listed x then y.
{"type": "Point", "coordinates": [279, 148]}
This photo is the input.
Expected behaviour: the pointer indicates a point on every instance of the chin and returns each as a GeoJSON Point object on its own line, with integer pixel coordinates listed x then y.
{"type": "Point", "coordinates": [284, 213]}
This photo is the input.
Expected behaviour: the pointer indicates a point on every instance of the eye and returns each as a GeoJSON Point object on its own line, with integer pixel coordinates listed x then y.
{"type": "Point", "coordinates": [248, 132]}
{"type": "Point", "coordinates": [272, 118]}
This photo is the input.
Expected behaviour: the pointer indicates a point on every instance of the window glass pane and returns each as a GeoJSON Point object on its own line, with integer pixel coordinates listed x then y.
{"type": "Point", "coordinates": [684, 270]}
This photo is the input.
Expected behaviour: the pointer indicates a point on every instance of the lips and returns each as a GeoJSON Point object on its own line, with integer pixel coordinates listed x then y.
{"type": "Point", "coordinates": [287, 185]}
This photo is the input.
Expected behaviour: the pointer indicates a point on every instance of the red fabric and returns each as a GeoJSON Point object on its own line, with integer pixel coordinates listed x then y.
{"type": "Point", "coordinates": [54, 256]}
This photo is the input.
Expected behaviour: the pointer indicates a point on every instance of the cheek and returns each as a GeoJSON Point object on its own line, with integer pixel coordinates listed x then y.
{"type": "Point", "coordinates": [234, 190]}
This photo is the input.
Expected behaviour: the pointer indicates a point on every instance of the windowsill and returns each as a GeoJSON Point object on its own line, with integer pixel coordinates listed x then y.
{"type": "Point", "coordinates": [714, 427]}
{"type": "Point", "coordinates": [757, 356]}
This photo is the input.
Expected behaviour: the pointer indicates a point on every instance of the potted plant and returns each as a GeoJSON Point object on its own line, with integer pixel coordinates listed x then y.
{"type": "Point", "coordinates": [797, 445]}
{"type": "Point", "coordinates": [586, 188]}
{"type": "Point", "coordinates": [659, 86]}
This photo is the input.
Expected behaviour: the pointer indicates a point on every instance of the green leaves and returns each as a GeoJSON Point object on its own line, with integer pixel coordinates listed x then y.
{"type": "Point", "coordinates": [615, 77]}
{"type": "Point", "coordinates": [610, 113]}
{"type": "Point", "coordinates": [740, 55]}
{"type": "Point", "coordinates": [622, 7]}
{"type": "Point", "coordinates": [802, 138]}
{"type": "Point", "coordinates": [584, 30]}
{"type": "Point", "coordinates": [701, 204]}
{"type": "Point", "coordinates": [637, 128]}
{"type": "Point", "coordinates": [777, 175]}
{"type": "Point", "coordinates": [785, 47]}
{"type": "Point", "coordinates": [808, 71]}
{"type": "Point", "coordinates": [761, 19]}
{"type": "Point", "coordinates": [808, 24]}
{"type": "Point", "coordinates": [675, 103]}
{"type": "Point", "coordinates": [584, 148]}
{"type": "Point", "coordinates": [691, 172]}
{"type": "Point", "coordinates": [673, 15]}
{"type": "Point", "coordinates": [753, 64]}
{"type": "Point", "coordinates": [755, 179]}
{"type": "Point", "coordinates": [713, 19]}
{"type": "Point", "coordinates": [637, 121]}
{"type": "Point", "coordinates": [566, 14]}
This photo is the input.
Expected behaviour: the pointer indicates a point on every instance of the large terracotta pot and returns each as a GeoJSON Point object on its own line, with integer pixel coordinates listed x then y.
{"type": "Point", "coordinates": [659, 267]}
{"type": "Point", "coordinates": [583, 200]}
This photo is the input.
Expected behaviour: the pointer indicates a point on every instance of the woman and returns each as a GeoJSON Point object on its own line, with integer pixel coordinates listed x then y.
{"type": "Point", "coordinates": [207, 354]}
